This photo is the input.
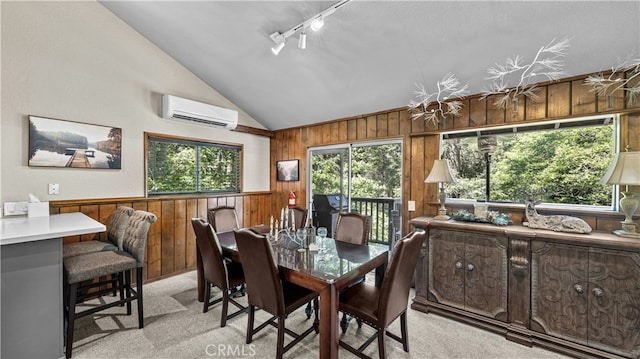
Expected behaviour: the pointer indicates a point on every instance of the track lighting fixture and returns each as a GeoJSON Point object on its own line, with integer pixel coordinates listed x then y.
{"type": "Point", "coordinates": [315, 23]}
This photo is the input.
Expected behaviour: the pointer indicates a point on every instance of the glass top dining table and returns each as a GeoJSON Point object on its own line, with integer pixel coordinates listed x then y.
{"type": "Point", "coordinates": [334, 266]}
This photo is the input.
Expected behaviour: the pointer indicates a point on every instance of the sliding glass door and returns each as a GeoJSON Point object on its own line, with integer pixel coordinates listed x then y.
{"type": "Point", "coordinates": [364, 178]}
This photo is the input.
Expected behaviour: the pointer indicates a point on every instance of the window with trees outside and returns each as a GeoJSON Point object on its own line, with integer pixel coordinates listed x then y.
{"type": "Point", "coordinates": [178, 166]}
{"type": "Point", "coordinates": [561, 162]}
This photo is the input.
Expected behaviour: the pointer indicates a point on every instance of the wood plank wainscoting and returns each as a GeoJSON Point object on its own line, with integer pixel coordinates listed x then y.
{"type": "Point", "coordinates": [567, 98]}
{"type": "Point", "coordinates": [171, 246]}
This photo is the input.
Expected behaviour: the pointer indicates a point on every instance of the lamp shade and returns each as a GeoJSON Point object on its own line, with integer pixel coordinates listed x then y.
{"type": "Point", "coordinates": [440, 173]}
{"type": "Point", "coordinates": [624, 169]}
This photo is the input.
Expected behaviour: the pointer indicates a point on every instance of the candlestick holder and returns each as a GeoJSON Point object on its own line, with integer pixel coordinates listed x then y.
{"type": "Point", "coordinates": [288, 235]}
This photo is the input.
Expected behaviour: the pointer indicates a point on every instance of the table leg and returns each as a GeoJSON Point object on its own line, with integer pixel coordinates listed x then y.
{"type": "Point", "coordinates": [380, 274]}
{"type": "Point", "coordinates": [329, 322]}
{"type": "Point", "coordinates": [200, 273]}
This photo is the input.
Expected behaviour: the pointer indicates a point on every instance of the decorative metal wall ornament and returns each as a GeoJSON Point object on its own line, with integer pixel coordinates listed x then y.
{"type": "Point", "coordinates": [546, 63]}
{"type": "Point", "coordinates": [606, 86]}
{"type": "Point", "coordinates": [448, 90]}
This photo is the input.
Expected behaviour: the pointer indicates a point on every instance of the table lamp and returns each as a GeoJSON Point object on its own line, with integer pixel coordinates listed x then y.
{"type": "Point", "coordinates": [440, 173]}
{"type": "Point", "coordinates": [625, 170]}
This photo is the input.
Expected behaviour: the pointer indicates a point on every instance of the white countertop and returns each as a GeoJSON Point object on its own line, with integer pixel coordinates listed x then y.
{"type": "Point", "coordinates": [24, 229]}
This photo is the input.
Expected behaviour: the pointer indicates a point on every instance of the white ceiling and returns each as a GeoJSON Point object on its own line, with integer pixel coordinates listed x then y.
{"type": "Point", "coordinates": [370, 54]}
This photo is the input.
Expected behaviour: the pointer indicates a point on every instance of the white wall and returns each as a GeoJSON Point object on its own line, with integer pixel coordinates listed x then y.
{"type": "Point", "coordinates": [76, 61]}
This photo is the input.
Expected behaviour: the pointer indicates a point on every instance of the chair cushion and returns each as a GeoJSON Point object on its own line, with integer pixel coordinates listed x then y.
{"type": "Point", "coordinates": [361, 301]}
{"type": "Point", "coordinates": [92, 265]}
{"type": "Point", "coordinates": [74, 249]}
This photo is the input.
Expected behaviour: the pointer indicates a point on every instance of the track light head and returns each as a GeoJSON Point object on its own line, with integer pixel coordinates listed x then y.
{"type": "Point", "coordinates": [276, 49]}
{"type": "Point", "coordinates": [317, 23]}
{"type": "Point", "coordinates": [302, 40]}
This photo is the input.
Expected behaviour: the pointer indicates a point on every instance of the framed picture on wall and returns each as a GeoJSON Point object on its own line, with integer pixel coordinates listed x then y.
{"type": "Point", "coordinates": [60, 143]}
{"type": "Point", "coordinates": [288, 170]}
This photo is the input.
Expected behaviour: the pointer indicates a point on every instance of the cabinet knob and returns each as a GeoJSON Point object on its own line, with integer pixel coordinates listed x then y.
{"type": "Point", "coordinates": [578, 288]}
{"type": "Point", "coordinates": [458, 265]}
{"type": "Point", "coordinates": [470, 267]}
{"type": "Point", "coordinates": [598, 292]}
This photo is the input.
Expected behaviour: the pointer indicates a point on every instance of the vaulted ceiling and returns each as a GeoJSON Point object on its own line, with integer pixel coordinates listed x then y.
{"type": "Point", "coordinates": [370, 54]}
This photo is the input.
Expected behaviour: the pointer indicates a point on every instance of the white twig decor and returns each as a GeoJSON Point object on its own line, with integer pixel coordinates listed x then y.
{"type": "Point", "coordinates": [444, 98]}
{"type": "Point", "coordinates": [605, 86]}
{"type": "Point", "coordinates": [546, 63]}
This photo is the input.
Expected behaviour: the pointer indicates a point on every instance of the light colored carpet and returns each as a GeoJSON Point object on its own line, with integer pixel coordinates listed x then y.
{"type": "Point", "coordinates": [175, 327]}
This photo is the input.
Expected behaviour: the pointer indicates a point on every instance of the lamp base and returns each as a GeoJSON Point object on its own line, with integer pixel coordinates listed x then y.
{"type": "Point", "coordinates": [628, 230]}
{"type": "Point", "coordinates": [442, 214]}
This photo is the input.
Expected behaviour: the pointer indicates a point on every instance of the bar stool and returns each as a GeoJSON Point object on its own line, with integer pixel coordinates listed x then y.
{"type": "Point", "coordinates": [83, 267]}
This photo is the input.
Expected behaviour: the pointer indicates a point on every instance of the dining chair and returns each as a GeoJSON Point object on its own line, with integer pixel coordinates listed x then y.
{"type": "Point", "coordinates": [223, 218]}
{"type": "Point", "coordinates": [299, 215]}
{"type": "Point", "coordinates": [84, 267]}
{"type": "Point", "coordinates": [115, 235]}
{"type": "Point", "coordinates": [267, 291]}
{"type": "Point", "coordinates": [353, 228]}
{"type": "Point", "coordinates": [378, 307]}
{"type": "Point", "coordinates": [218, 271]}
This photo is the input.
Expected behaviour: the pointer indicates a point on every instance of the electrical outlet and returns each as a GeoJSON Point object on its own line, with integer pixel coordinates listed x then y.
{"type": "Point", "coordinates": [54, 188]}
{"type": "Point", "coordinates": [411, 205]}
{"type": "Point", "coordinates": [15, 208]}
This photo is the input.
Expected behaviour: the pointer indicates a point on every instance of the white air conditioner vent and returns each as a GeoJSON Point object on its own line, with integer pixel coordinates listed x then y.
{"type": "Point", "coordinates": [181, 109]}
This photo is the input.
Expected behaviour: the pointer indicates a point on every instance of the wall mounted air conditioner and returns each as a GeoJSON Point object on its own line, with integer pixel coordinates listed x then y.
{"type": "Point", "coordinates": [181, 109]}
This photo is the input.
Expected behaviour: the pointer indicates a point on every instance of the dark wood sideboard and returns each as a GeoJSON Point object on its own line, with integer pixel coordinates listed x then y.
{"type": "Point", "coordinates": [578, 294]}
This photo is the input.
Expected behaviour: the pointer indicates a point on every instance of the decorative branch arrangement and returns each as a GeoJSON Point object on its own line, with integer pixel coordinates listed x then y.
{"type": "Point", "coordinates": [604, 86]}
{"type": "Point", "coordinates": [448, 89]}
{"type": "Point", "coordinates": [546, 63]}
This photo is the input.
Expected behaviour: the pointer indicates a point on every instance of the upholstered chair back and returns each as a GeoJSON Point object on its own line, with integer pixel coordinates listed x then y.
{"type": "Point", "coordinates": [260, 272]}
{"type": "Point", "coordinates": [223, 218]}
{"type": "Point", "coordinates": [117, 224]}
{"type": "Point", "coordinates": [212, 260]}
{"type": "Point", "coordinates": [136, 233]}
{"type": "Point", "coordinates": [394, 291]}
{"type": "Point", "coordinates": [299, 215]}
{"type": "Point", "coordinates": [353, 228]}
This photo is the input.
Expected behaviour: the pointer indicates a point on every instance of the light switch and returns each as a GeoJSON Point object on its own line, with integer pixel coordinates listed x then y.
{"type": "Point", "coordinates": [411, 205]}
{"type": "Point", "coordinates": [54, 188]}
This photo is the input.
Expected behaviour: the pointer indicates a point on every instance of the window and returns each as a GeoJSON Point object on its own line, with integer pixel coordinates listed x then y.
{"type": "Point", "coordinates": [561, 161]}
{"type": "Point", "coordinates": [177, 165]}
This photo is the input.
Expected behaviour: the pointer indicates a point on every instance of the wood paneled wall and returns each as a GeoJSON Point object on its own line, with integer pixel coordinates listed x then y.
{"type": "Point", "coordinates": [171, 242]}
{"type": "Point", "coordinates": [556, 100]}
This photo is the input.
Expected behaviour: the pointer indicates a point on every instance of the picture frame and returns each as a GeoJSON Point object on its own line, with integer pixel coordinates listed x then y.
{"type": "Point", "coordinates": [288, 170]}
{"type": "Point", "coordinates": [61, 143]}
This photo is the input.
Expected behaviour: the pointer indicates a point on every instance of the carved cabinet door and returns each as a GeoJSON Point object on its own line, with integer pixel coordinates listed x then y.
{"type": "Point", "coordinates": [614, 301]}
{"type": "Point", "coordinates": [559, 290]}
{"type": "Point", "coordinates": [469, 271]}
{"type": "Point", "coordinates": [486, 275]}
{"type": "Point", "coordinates": [446, 263]}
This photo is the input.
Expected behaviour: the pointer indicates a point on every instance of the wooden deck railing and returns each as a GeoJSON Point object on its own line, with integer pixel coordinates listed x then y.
{"type": "Point", "coordinates": [385, 217]}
